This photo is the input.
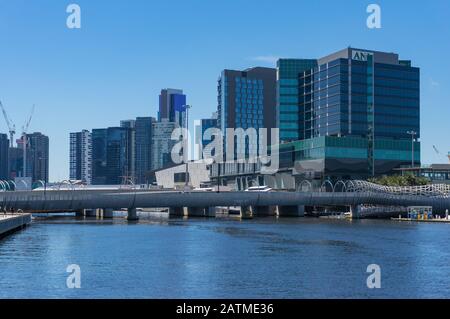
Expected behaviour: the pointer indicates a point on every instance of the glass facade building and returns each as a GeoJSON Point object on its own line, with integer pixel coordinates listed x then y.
{"type": "Point", "coordinates": [352, 94]}
{"type": "Point", "coordinates": [4, 157]}
{"type": "Point", "coordinates": [81, 156]}
{"type": "Point", "coordinates": [246, 99]}
{"type": "Point", "coordinates": [111, 155]}
{"type": "Point", "coordinates": [143, 147]}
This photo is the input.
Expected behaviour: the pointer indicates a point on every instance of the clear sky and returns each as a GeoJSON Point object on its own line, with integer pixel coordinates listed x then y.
{"type": "Point", "coordinates": [126, 51]}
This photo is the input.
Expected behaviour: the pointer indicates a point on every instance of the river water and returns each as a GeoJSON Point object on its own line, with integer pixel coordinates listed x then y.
{"type": "Point", "coordinates": [220, 258]}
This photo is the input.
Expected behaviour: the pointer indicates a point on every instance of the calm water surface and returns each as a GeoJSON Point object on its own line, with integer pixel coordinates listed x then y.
{"type": "Point", "coordinates": [214, 258]}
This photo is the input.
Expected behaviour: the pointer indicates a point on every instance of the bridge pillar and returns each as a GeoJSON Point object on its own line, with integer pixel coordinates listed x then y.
{"type": "Point", "coordinates": [355, 211]}
{"type": "Point", "coordinates": [80, 213]}
{"type": "Point", "coordinates": [132, 214]}
{"type": "Point", "coordinates": [176, 212]}
{"type": "Point", "coordinates": [197, 211]}
{"type": "Point", "coordinates": [291, 211]}
{"type": "Point", "coordinates": [246, 212]}
{"type": "Point", "coordinates": [90, 212]}
{"type": "Point", "coordinates": [264, 210]}
{"type": "Point", "coordinates": [211, 212]}
{"type": "Point", "coordinates": [108, 213]}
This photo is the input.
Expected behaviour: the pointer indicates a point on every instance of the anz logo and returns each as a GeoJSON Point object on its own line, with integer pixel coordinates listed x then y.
{"type": "Point", "coordinates": [361, 55]}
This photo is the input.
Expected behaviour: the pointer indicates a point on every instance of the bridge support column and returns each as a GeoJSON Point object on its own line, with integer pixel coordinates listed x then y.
{"type": "Point", "coordinates": [355, 210]}
{"type": "Point", "coordinates": [176, 212]}
{"type": "Point", "coordinates": [211, 212]}
{"type": "Point", "coordinates": [264, 211]}
{"type": "Point", "coordinates": [246, 212]}
{"type": "Point", "coordinates": [291, 211]}
{"type": "Point", "coordinates": [90, 212]}
{"type": "Point", "coordinates": [80, 213]}
{"type": "Point", "coordinates": [132, 214]}
{"type": "Point", "coordinates": [197, 211]}
{"type": "Point", "coordinates": [108, 213]}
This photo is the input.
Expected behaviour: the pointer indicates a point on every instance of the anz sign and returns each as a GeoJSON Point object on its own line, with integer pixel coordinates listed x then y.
{"type": "Point", "coordinates": [361, 55]}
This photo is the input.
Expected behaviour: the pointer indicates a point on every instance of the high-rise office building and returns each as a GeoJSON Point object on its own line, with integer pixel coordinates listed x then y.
{"type": "Point", "coordinates": [143, 148]}
{"type": "Point", "coordinates": [81, 156]}
{"type": "Point", "coordinates": [131, 125]}
{"type": "Point", "coordinates": [287, 114]}
{"type": "Point", "coordinates": [4, 157]}
{"type": "Point", "coordinates": [37, 157]}
{"type": "Point", "coordinates": [172, 106]}
{"type": "Point", "coordinates": [355, 109]}
{"type": "Point", "coordinates": [99, 164]}
{"type": "Point", "coordinates": [162, 144]}
{"type": "Point", "coordinates": [200, 127]}
{"type": "Point", "coordinates": [111, 155]}
{"type": "Point", "coordinates": [246, 99]}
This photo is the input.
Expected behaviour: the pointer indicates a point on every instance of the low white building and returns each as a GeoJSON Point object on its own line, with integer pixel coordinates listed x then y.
{"type": "Point", "coordinates": [172, 177]}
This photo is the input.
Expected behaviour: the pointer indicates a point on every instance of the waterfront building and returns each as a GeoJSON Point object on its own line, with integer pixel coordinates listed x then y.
{"type": "Point", "coordinates": [143, 148]}
{"type": "Point", "coordinates": [246, 99]}
{"type": "Point", "coordinates": [172, 106]}
{"type": "Point", "coordinates": [131, 126]}
{"type": "Point", "coordinates": [15, 162]}
{"type": "Point", "coordinates": [37, 157]}
{"type": "Point", "coordinates": [81, 156]}
{"type": "Point", "coordinates": [162, 143]}
{"type": "Point", "coordinates": [288, 97]}
{"type": "Point", "coordinates": [366, 103]}
{"type": "Point", "coordinates": [4, 157]}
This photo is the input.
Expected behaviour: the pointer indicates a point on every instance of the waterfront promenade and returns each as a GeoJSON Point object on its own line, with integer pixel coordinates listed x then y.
{"type": "Point", "coordinates": [10, 223]}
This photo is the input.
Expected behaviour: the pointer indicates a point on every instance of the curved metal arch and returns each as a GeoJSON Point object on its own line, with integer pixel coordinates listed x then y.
{"type": "Point", "coordinates": [324, 185]}
{"type": "Point", "coordinates": [343, 188]}
{"type": "Point", "coordinates": [13, 183]}
{"type": "Point", "coordinates": [303, 182]}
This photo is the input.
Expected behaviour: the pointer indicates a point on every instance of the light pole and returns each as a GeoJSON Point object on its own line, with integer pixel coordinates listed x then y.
{"type": "Point", "coordinates": [186, 149]}
{"type": "Point", "coordinates": [413, 134]}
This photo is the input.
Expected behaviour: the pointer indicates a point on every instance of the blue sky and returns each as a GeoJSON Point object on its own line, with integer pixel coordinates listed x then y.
{"type": "Point", "coordinates": [126, 51]}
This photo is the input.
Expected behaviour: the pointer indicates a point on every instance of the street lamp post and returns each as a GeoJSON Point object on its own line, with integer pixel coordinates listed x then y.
{"type": "Point", "coordinates": [413, 134]}
{"type": "Point", "coordinates": [186, 149]}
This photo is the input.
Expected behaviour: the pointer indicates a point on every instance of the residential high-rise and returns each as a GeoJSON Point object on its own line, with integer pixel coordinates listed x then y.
{"type": "Point", "coordinates": [143, 148]}
{"type": "Point", "coordinates": [37, 157]}
{"type": "Point", "coordinates": [162, 144]}
{"type": "Point", "coordinates": [131, 125]}
{"type": "Point", "coordinates": [81, 156]}
{"type": "Point", "coordinates": [247, 99]}
{"type": "Point", "coordinates": [15, 163]}
{"type": "Point", "coordinates": [355, 109]}
{"type": "Point", "coordinates": [172, 106]}
{"type": "Point", "coordinates": [4, 157]}
{"type": "Point", "coordinates": [111, 155]}
{"type": "Point", "coordinates": [99, 150]}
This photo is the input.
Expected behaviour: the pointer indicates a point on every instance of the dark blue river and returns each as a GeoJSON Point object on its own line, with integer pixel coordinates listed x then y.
{"type": "Point", "coordinates": [218, 258]}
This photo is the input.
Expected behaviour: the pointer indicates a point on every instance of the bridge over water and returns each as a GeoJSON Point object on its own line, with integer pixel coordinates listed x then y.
{"type": "Point", "coordinates": [130, 199]}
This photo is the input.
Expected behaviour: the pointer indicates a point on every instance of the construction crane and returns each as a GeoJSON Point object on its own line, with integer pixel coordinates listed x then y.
{"type": "Point", "coordinates": [439, 153]}
{"type": "Point", "coordinates": [11, 126]}
{"type": "Point", "coordinates": [25, 140]}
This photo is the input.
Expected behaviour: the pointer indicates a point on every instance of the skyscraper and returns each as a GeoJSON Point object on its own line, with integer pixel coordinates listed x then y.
{"type": "Point", "coordinates": [247, 99]}
{"type": "Point", "coordinates": [81, 156]}
{"type": "Point", "coordinates": [143, 147]}
{"type": "Point", "coordinates": [111, 155]}
{"type": "Point", "coordinates": [4, 157]}
{"type": "Point", "coordinates": [131, 125]}
{"type": "Point", "coordinates": [38, 157]}
{"type": "Point", "coordinates": [162, 144]}
{"type": "Point", "coordinates": [172, 106]}
{"type": "Point", "coordinates": [288, 113]}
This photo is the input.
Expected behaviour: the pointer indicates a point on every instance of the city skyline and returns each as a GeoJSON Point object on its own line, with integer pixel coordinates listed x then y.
{"type": "Point", "coordinates": [78, 83]}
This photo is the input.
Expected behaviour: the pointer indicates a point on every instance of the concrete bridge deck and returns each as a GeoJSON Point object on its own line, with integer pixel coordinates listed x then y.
{"type": "Point", "coordinates": [73, 200]}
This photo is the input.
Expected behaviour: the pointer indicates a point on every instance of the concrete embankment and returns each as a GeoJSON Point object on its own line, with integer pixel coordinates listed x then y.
{"type": "Point", "coordinates": [11, 223]}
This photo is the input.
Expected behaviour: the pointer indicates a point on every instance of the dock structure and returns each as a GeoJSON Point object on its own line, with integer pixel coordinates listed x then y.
{"type": "Point", "coordinates": [12, 223]}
